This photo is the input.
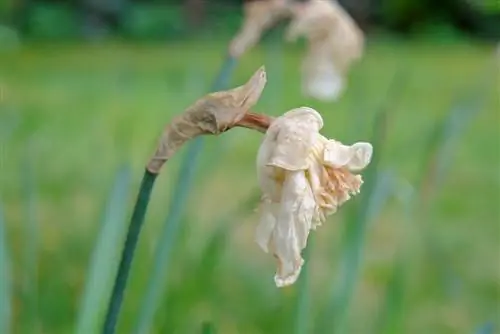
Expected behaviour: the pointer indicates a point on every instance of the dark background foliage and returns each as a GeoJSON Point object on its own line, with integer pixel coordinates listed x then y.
{"type": "Point", "coordinates": [164, 19]}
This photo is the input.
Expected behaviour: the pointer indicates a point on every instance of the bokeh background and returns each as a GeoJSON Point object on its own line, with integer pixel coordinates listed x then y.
{"type": "Point", "coordinates": [86, 87]}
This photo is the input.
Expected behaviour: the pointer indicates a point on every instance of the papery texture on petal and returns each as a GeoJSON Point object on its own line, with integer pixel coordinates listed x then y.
{"type": "Point", "coordinates": [212, 114]}
{"type": "Point", "coordinates": [334, 42]}
{"type": "Point", "coordinates": [361, 157]}
{"type": "Point", "coordinates": [259, 16]}
{"type": "Point", "coordinates": [270, 178]}
{"type": "Point", "coordinates": [292, 137]}
{"type": "Point", "coordinates": [267, 223]}
{"type": "Point", "coordinates": [292, 227]}
{"type": "Point", "coordinates": [354, 157]}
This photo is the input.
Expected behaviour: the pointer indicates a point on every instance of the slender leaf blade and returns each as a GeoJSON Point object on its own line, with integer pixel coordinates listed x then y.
{"type": "Point", "coordinates": [5, 279]}
{"type": "Point", "coordinates": [102, 265]}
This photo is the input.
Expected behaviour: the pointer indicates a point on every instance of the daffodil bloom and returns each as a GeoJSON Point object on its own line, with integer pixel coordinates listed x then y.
{"type": "Point", "coordinates": [304, 178]}
{"type": "Point", "coordinates": [334, 42]}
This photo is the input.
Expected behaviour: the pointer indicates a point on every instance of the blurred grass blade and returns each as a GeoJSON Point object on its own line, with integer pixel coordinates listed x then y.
{"type": "Point", "coordinates": [156, 284]}
{"type": "Point", "coordinates": [303, 308]}
{"type": "Point", "coordinates": [207, 328]}
{"type": "Point", "coordinates": [5, 279]}
{"type": "Point", "coordinates": [391, 314]}
{"type": "Point", "coordinates": [273, 94]}
{"type": "Point", "coordinates": [352, 249]}
{"type": "Point", "coordinates": [30, 282]}
{"type": "Point", "coordinates": [103, 262]}
{"type": "Point", "coordinates": [446, 133]}
{"type": "Point", "coordinates": [384, 188]}
{"type": "Point", "coordinates": [487, 328]}
{"type": "Point", "coordinates": [390, 319]}
{"type": "Point", "coordinates": [334, 318]}
{"type": "Point", "coordinates": [437, 161]}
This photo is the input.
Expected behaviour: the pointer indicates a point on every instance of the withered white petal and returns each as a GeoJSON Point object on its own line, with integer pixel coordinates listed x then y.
{"type": "Point", "coordinates": [323, 83]}
{"type": "Point", "coordinates": [354, 157]}
{"type": "Point", "coordinates": [264, 231]}
{"type": "Point", "coordinates": [361, 157]}
{"type": "Point", "coordinates": [294, 135]}
{"type": "Point", "coordinates": [292, 226]}
{"type": "Point", "coordinates": [304, 178]}
{"type": "Point", "coordinates": [334, 43]}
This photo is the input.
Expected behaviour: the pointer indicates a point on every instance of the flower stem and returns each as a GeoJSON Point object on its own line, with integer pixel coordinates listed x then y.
{"type": "Point", "coordinates": [128, 251]}
{"type": "Point", "coordinates": [140, 211]}
{"type": "Point", "coordinates": [155, 286]}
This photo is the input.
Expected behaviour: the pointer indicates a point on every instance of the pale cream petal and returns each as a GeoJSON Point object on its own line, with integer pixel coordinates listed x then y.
{"type": "Point", "coordinates": [354, 157]}
{"type": "Point", "coordinates": [292, 227]}
{"type": "Point", "coordinates": [321, 80]}
{"type": "Point", "coordinates": [337, 154]}
{"type": "Point", "coordinates": [334, 43]}
{"type": "Point", "coordinates": [266, 225]}
{"type": "Point", "coordinates": [293, 134]}
{"type": "Point", "coordinates": [362, 155]}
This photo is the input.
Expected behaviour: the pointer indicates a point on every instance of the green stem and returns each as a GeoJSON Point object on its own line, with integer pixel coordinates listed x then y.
{"type": "Point", "coordinates": [128, 251]}
{"type": "Point", "coordinates": [140, 212]}
{"type": "Point", "coordinates": [155, 287]}
{"type": "Point", "coordinates": [6, 279]}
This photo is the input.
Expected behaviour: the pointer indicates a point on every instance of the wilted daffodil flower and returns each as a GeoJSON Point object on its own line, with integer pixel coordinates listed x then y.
{"type": "Point", "coordinates": [259, 16]}
{"type": "Point", "coordinates": [334, 42]}
{"type": "Point", "coordinates": [304, 177]}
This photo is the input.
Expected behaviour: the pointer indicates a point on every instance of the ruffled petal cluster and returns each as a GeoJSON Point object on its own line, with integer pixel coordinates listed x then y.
{"type": "Point", "coordinates": [304, 178]}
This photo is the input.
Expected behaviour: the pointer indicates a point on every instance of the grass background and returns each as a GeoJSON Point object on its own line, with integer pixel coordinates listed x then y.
{"type": "Point", "coordinates": [72, 116]}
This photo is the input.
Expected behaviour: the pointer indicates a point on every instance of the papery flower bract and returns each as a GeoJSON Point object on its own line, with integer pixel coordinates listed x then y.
{"type": "Point", "coordinates": [304, 177]}
{"type": "Point", "coordinates": [335, 41]}
{"type": "Point", "coordinates": [213, 114]}
{"type": "Point", "coordinates": [259, 15]}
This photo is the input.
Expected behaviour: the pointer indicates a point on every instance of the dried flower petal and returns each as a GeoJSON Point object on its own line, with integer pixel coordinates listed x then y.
{"type": "Point", "coordinates": [335, 41]}
{"type": "Point", "coordinates": [355, 157]}
{"type": "Point", "coordinates": [212, 114]}
{"type": "Point", "coordinates": [292, 140]}
{"type": "Point", "coordinates": [259, 15]}
{"type": "Point", "coordinates": [304, 177]}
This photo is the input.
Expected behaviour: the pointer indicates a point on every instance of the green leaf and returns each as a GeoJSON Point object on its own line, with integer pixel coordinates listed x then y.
{"type": "Point", "coordinates": [391, 315]}
{"type": "Point", "coordinates": [438, 158]}
{"type": "Point", "coordinates": [30, 288]}
{"type": "Point", "coordinates": [373, 195]}
{"type": "Point", "coordinates": [208, 328]}
{"type": "Point", "coordinates": [102, 266]}
{"type": "Point", "coordinates": [302, 314]}
{"type": "Point", "coordinates": [5, 279]}
{"type": "Point", "coordinates": [156, 284]}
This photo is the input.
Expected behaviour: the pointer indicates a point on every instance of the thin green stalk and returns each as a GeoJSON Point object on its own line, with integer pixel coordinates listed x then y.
{"type": "Point", "coordinates": [487, 328]}
{"type": "Point", "coordinates": [156, 284]}
{"type": "Point", "coordinates": [391, 316]}
{"type": "Point", "coordinates": [30, 289]}
{"type": "Point", "coordinates": [140, 212]}
{"type": "Point", "coordinates": [128, 252]}
{"type": "Point", "coordinates": [207, 328]}
{"type": "Point", "coordinates": [5, 280]}
{"type": "Point", "coordinates": [303, 307]}
{"type": "Point", "coordinates": [102, 264]}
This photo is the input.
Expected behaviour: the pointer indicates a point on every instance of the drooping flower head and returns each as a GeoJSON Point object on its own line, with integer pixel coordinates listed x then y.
{"type": "Point", "coordinates": [304, 178]}
{"type": "Point", "coordinates": [334, 42]}
{"type": "Point", "coordinates": [259, 16]}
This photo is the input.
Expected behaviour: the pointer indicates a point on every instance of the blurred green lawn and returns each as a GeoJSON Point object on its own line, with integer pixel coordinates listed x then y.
{"type": "Point", "coordinates": [74, 113]}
